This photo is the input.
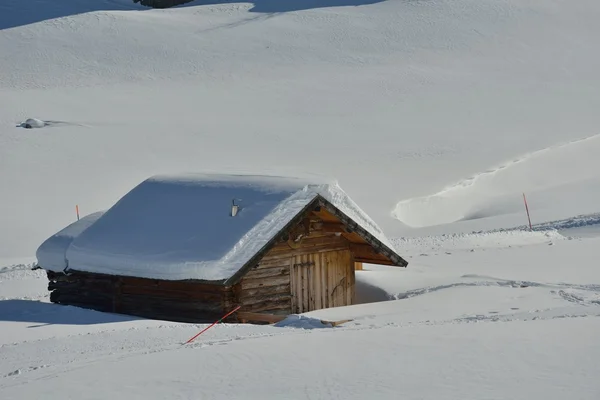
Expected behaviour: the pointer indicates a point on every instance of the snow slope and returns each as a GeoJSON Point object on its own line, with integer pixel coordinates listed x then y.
{"type": "Point", "coordinates": [396, 99]}
{"type": "Point", "coordinates": [497, 322]}
{"type": "Point", "coordinates": [434, 116]}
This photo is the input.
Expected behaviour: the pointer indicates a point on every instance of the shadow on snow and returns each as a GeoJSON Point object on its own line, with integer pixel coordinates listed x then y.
{"type": "Point", "coordinates": [14, 13]}
{"type": "Point", "coordinates": [41, 314]}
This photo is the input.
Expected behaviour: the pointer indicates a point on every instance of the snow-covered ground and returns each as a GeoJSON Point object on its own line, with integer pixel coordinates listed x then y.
{"type": "Point", "coordinates": [516, 322]}
{"type": "Point", "coordinates": [434, 116]}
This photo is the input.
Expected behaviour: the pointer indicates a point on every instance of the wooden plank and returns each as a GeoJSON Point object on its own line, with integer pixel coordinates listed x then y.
{"type": "Point", "coordinates": [309, 242]}
{"type": "Point", "coordinates": [296, 294]}
{"type": "Point", "coordinates": [293, 291]}
{"type": "Point", "coordinates": [183, 295]}
{"type": "Point", "coordinates": [324, 283]}
{"type": "Point", "coordinates": [336, 279]}
{"type": "Point", "coordinates": [347, 269]}
{"type": "Point", "coordinates": [260, 273]}
{"type": "Point", "coordinates": [260, 317]}
{"type": "Point", "coordinates": [330, 278]}
{"type": "Point", "coordinates": [317, 282]}
{"type": "Point", "coordinates": [336, 323]}
{"type": "Point", "coordinates": [174, 285]}
{"type": "Point", "coordinates": [266, 262]}
{"type": "Point", "coordinates": [310, 272]}
{"type": "Point", "coordinates": [257, 283]}
{"type": "Point", "coordinates": [246, 294]}
{"type": "Point", "coordinates": [311, 250]}
{"type": "Point", "coordinates": [169, 304]}
{"type": "Point", "coordinates": [327, 227]}
{"type": "Point", "coordinates": [366, 253]}
{"type": "Point", "coordinates": [270, 306]}
{"type": "Point", "coordinates": [325, 215]}
{"type": "Point", "coordinates": [339, 279]}
{"type": "Point", "coordinates": [275, 298]}
{"type": "Point", "coordinates": [304, 275]}
{"type": "Point", "coordinates": [298, 280]}
{"type": "Point", "coordinates": [353, 287]}
{"type": "Point", "coordinates": [354, 238]}
{"type": "Point", "coordinates": [349, 274]}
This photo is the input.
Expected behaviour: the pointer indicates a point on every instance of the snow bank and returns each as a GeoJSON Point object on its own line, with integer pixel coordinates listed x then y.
{"type": "Point", "coordinates": [302, 322]}
{"type": "Point", "coordinates": [180, 227]}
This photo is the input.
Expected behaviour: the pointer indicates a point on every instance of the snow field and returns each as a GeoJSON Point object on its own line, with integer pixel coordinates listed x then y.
{"type": "Point", "coordinates": [416, 107]}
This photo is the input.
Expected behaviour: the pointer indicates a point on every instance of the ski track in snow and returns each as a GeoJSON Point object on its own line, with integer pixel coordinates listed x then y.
{"type": "Point", "coordinates": [526, 157]}
{"type": "Point", "coordinates": [491, 281]}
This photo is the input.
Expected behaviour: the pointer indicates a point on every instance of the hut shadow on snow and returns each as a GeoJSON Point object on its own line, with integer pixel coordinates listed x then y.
{"type": "Point", "coordinates": [39, 314]}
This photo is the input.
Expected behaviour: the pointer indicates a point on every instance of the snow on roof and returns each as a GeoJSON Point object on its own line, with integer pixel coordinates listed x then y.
{"type": "Point", "coordinates": [51, 254]}
{"type": "Point", "coordinates": [180, 227]}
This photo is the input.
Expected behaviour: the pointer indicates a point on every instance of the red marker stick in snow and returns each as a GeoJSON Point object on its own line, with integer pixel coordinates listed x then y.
{"type": "Point", "coordinates": [214, 323]}
{"type": "Point", "coordinates": [77, 211]}
{"type": "Point", "coordinates": [527, 209]}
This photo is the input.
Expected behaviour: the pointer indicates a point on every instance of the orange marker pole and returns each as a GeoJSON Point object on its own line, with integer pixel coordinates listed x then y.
{"type": "Point", "coordinates": [527, 209]}
{"type": "Point", "coordinates": [77, 211]}
{"type": "Point", "coordinates": [214, 323]}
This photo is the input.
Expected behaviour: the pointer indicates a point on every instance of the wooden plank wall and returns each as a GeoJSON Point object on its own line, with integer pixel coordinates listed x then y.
{"type": "Point", "coordinates": [266, 288]}
{"type": "Point", "coordinates": [275, 286]}
{"type": "Point", "coordinates": [180, 301]}
{"type": "Point", "coordinates": [322, 280]}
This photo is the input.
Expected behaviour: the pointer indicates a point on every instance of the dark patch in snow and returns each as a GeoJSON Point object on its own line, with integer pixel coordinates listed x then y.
{"type": "Point", "coordinates": [302, 322]}
{"type": "Point", "coordinates": [34, 123]}
{"type": "Point", "coordinates": [14, 13]}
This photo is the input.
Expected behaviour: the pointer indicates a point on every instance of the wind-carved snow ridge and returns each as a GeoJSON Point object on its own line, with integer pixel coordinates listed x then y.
{"type": "Point", "coordinates": [497, 191]}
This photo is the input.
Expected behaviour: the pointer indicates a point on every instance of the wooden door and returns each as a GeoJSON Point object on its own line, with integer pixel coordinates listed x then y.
{"type": "Point", "coordinates": [322, 280]}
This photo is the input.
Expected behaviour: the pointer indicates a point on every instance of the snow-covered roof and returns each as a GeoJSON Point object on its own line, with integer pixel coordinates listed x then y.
{"type": "Point", "coordinates": [180, 227]}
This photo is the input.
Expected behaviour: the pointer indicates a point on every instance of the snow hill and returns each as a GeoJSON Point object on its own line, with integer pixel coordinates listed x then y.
{"type": "Point", "coordinates": [434, 116]}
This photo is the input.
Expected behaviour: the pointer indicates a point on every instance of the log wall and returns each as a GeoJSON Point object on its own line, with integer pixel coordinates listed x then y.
{"type": "Point", "coordinates": [182, 301]}
{"type": "Point", "coordinates": [266, 289]}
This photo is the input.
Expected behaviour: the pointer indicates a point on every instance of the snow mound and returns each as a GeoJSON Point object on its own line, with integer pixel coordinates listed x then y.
{"type": "Point", "coordinates": [32, 123]}
{"type": "Point", "coordinates": [302, 322]}
{"type": "Point", "coordinates": [181, 227]}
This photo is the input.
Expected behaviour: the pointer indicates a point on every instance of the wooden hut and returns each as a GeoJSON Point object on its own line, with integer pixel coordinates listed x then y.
{"type": "Point", "coordinates": [272, 246]}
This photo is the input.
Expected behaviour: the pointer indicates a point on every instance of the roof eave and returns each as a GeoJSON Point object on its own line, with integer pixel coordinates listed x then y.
{"type": "Point", "coordinates": [368, 237]}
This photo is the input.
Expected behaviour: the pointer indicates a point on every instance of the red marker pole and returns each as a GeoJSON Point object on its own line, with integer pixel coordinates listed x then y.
{"type": "Point", "coordinates": [527, 209]}
{"type": "Point", "coordinates": [77, 211]}
{"type": "Point", "coordinates": [214, 323]}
